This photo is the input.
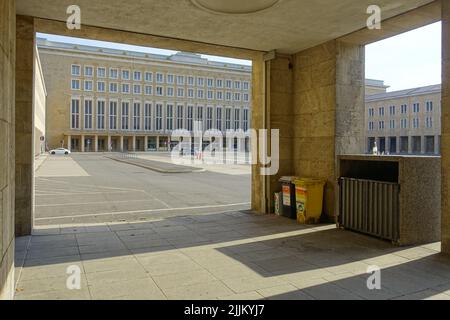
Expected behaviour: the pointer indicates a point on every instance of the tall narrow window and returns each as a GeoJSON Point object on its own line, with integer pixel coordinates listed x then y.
{"type": "Point", "coordinates": [219, 119]}
{"type": "Point", "coordinates": [190, 118]}
{"type": "Point", "coordinates": [200, 116]}
{"type": "Point", "coordinates": [237, 118]}
{"type": "Point", "coordinates": [125, 115]}
{"type": "Point", "coordinates": [169, 117]}
{"type": "Point", "coordinates": [148, 117]}
{"type": "Point", "coordinates": [227, 119]}
{"type": "Point", "coordinates": [75, 114]}
{"type": "Point", "coordinates": [113, 115]}
{"type": "Point", "coordinates": [245, 120]}
{"type": "Point", "coordinates": [137, 116]}
{"type": "Point", "coordinates": [209, 118]}
{"type": "Point", "coordinates": [180, 117]}
{"type": "Point", "coordinates": [158, 119]}
{"type": "Point", "coordinates": [100, 115]}
{"type": "Point", "coordinates": [88, 114]}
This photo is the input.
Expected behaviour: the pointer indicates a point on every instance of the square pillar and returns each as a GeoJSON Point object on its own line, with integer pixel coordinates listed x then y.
{"type": "Point", "coordinates": [109, 144]}
{"type": "Point", "coordinates": [121, 144]}
{"type": "Point", "coordinates": [82, 143]}
{"type": "Point", "coordinates": [96, 143]}
{"type": "Point", "coordinates": [145, 143]}
{"type": "Point", "coordinates": [157, 143]}
{"type": "Point", "coordinates": [134, 143]}
{"type": "Point", "coordinates": [69, 142]}
{"type": "Point", "coordinates": [24, 125]}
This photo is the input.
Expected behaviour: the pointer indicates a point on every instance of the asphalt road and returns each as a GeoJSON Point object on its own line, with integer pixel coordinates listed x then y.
{"type": "Point", "coordinates": [90, 188]}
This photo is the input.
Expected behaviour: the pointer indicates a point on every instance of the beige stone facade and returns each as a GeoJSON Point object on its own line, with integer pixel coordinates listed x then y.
{"type": "Point", "coordinates": [113, 100]}
{"type": "Point", "coordinates": [40, 102]}
{"type": "Point", "coordinates": [405, 122]}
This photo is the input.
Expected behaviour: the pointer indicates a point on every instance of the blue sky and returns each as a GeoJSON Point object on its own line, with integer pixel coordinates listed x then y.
{"type": "Point", "coordinates": [409, 60]}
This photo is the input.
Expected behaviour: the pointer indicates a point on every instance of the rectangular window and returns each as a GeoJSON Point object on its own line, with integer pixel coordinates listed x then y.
{"type": "Point", "coordinates": [381, 111]}
{"type": "Point", "coordinates": [209, 118]}
{"type": "Point", "coordinates": [228, 84]}
{"type": "Point", "coordinates": [113, 115]}
{"type": "Point", "coordinates": [245, 97]}
{"type": "Point", "coordinates": [404, 108]}
{"type": "Point", "coordinates": [429, 106]}
{"type": "Point", "coordinates": [170, 79]}
{"type": "Point", "coordinates": [228, 119]}
{"type": "Point", "coordinates": [125, 74]}
{"type": "Point", "coordinates": [170, 92]}
{"type": "Point", "coordinates": [159, 77]}
{"type": "Point", "coordinates": [113, 73]}
{"type": "Point", "coordinates": [148, 117]}
{"type": "Point", "coordinates": [228, 96]}
{"type": "Point", "coordinates": [159, 91]}
{"type": "Point", "coordinates": [219, 118]}
{"type": "Point", "coordinates": [158, 119]}
{"type": "Point", "coordinates": [190, 81]}
{"type": "Point", "coordinates": [101, 86]}
{"type": "Point", "coordinates": [101, 72]}
{"type": "Point", "coordinates": [245, 120]}
{"type": "Point", "coordinates": [112, 87]}
{"type": "Point", "coordinates": [210, 82]}
{"type": "Point", "coordinates": [416, 107]}
{"type": "Point", "coordinates": [180, 80]}
{"type": "Point", "coordinates": [429, 122]}
{"type": "Point", "coordinates": [125, 115]}
{"type": "Point", "coordinates": [180, 117]}
{"type": "Point", "coordinates": [75, 114]}
{"type": "Point", "coordinates": [219, 83]}
{"type": "Point", "coordinates": [169, 117]}
{"type": "Point", "coordinates": [246, 85]}
{"type": "Point", "coordinates": [137, 116]}
{"type": "Point", "coordinates": [237, 96]}
{"type": "Point", "coordinates": [88, 114]}
{"type": "Point", "coordinates": [237, 85]}
{"type": "Point", "coordinates": [137, 89]}
{"type": "Point", "coordinates": [88, 71]}
{"type": "Point", "coordinates": [180, 93]}
{"type": "Point", "coordinates": [190, 118]}
{"type": "Point", "coordinates": [219, 95]}
{"type": "Point", "coordinates": [148, 77]}
{"type": "Point", "coordinates": [137, 76]}
{"type": "Point", "coordinates": [88, 85]}
{"type": "Point", "coordinates": [391, 124]}
{"type": "Point", "coordinates": [200, 82]}
{"type": "Point", "coordinates": [190, 93]}
{"type": "Point", "coordinates": [75, 84]}
{"type": "Point", "coordinates": [210, 95]}
{"type": "Point", "coordinates": [200, 94]}
{"type": "Point", "coordinates": [148, 90]}
{"type": "Point", "coordinates": [237, 118]}
{"type": "Point", "coordinates": [125, 88]}
{"type": "Point", "coordinates": [101, 115]}
{"type": "Point", "coordinates": [76, 70]}
{"type": "Point", "coordinates": [370, 125]}
{"type": "Point", "coordinates": [381, 125]}
{"type": "Point", "coordinates": [392, 110]}
{"type": "Point", "coordinates": [199, 114]}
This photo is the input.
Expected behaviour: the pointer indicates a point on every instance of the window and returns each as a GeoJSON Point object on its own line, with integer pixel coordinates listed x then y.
{"type": "Point", "coordinates": [180, 116]}
{"type": "Point", "coordinates": [380, 125]}
{"type": "Point", "coordinates": [148, 77]}
{"type": "Point", "coordinates": [392, 110]}
{"type": "Point", "coordinates": [210, 82]}
{"type": "Point", "coordinates": [416, 107]}
{"type": "Point", "coordinates": [159, 77]}
{"type": "Point", "coordinates": [210, 94]}
{"type": "Point", "coordinates": [75, 114]}
{"type": "Point", "coordinates": [245, 97]}
{"type": "Point", "coordinates": [429, 106]}
{"type": "Point", "coordinates": [391, 124]}
{"type": "Point", "coordinates": [228, 119]}
{"type": "Point", "coordinates": [209, 118]}
{"type": "Point", "coordinates": [404, 108]}
{"type": "Point", "coordinates": [219, 118]}
{"type": "Point", "coordinates": [100, 115]}
{"type": "Point", "coordinates": [237, 96]}
{"type": "Point", "coordinates": [125, 74]}
{"type": "Point", "coordinates": [371, 112]}
{"type": "Point", "coordinates": [148, 90]}
{"type": "Point", "coordinates": [190, 81]}
{"type": "Point", "coordinates": [228, 96]}
{"type": "Point", "coordinates": [88, 71]}
{"type": "Point", "coordinates": [381, 111]}
{"type": "Point", "coordinates": [404, 123]}
{"type": "Point", "coordinates": [125, 88]}
{"type": "Point", "coordinates": [125, 115]}
{"type": "Point", "coordinates": [170, 79]}
{"type": "Point", "coordinates": [237, 85]}
{"type": "Point", "coordinates": [190, 118]}
{"type": "Point", "coordinates": [200, 94]}
{"type": "Point", "coordinates": [137, 89]}
{"type": "Point", "coordinates": [113, 115]}
{"type": "Point", "coordinates": [148, 116]}
{"type": "Point", "coordinates": [101, 72]}
{"type": "Point", "coordinates": [199, 114]}
{"type": "Point", "coordinates": [170, 92]}
{"type": "Point", "coordinates": [200, 82]}
{"type": "Point", "coordinates": [228, 84]}
{"type": "Point", "coordinates": [101, 86]}
{"type": "Point", "coordinates": [190, 93]}
{"type": "Point", "coordinates": [137, 116]}
{"type": "Point", "coordinates": [180, 93]}
{"type": "Point", "coordinates": [75, 84]}
{"type": "Point", "coordinates": [180, 80]}
{"type": "Point", "coordinates": [370, 125]}
{"type": "Point", "coordinates": [416, 123]}
{"type": "Point", "coordinates": [219, 83]}
{"type": "Point", "coordinates": [245, 120]}
{"type": "Point", "coordinates": [429, 122]}
{"type": "Point", "coordinates": [88, 85]}
{"type": "Point", "coordinates": [219, 95]}
{"type": "Point", "coordinates": [87, 114]}
{"type": "Point", "coordinates": [237, 117]}
{"type": "Point", "coordinates": [112, 87]}
{"type": "Point", "coordinates": [158, 119]}
{"type": "Point", "coordinates": [113, 73]}
{"type": "Point", "coordinates": [169, 117]}
{"type": "Point", "coordinates": [76, 70]}
{"type": "Point", "coordinates": [159, 91]}
{"type": "Point", "coordinates": [137, 76]}
{"type": "Point", "coordinates": [246, 85]}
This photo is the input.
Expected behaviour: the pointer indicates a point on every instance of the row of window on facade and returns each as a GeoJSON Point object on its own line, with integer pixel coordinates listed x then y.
{"type": "Point", "coordinates": [138, 116]}
{"type": "Point", "coordinates": [404, 124]}
{"type": "Point", "coordinates": [406, 144]}
{"type": "Point", "coordinates": [403, 109]}
{"type": "Point", "coordinates": [147, 76]}
{"type": "Point", "coordinates": [161, 91]}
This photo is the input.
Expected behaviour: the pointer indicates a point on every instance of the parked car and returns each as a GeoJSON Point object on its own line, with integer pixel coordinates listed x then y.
{"type": "Point", "coordinates": [60, 151]}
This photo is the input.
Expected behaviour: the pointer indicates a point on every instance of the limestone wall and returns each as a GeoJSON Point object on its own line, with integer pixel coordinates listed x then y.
{"type": "Point", "coordinates": [39, 100]}
{"type": "Point", "coordinates": [7, 67]}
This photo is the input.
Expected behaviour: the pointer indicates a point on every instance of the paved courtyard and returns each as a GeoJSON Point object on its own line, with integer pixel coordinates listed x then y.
{"type": "Point", "coordinates": [201, 253]}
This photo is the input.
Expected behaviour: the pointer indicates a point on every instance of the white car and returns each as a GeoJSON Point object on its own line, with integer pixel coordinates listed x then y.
{"type": "Point", "coordinates": [60, 151]}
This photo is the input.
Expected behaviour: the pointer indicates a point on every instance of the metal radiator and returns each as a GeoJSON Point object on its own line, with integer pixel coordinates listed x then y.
{"type": "Point", "coordinates": [370, 207]}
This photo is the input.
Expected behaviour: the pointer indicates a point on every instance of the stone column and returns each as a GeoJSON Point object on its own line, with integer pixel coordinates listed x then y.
{"type": "Point", "coordinates": [69, 142]}
{"type": "Point", "coordinates": [96, 143]}
{"type": "Point", "coordinates": [145, 143]}
{"type": "Point", "coordinates": [82, 143]}
{"type": "Point", "coordinates": [436, 144]}
{"type": "Point", "coordinates": [24, 126]}
{"type": "Point", "coordinates": [410, 144]}
{"type": "Point", "coordinates": [109, 144]}
{"type": "Point", "coordinates": [445, 119]}
{"type": "Point", "coordinates": [121, 144]}
{"type": "Point", "coordinates": [134, 143]}
{"type": "Point", "coordinates": [157, 143]}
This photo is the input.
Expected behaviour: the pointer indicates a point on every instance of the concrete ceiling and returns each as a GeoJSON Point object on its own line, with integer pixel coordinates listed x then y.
{"type": "Point", "coordinates": [290, 26]}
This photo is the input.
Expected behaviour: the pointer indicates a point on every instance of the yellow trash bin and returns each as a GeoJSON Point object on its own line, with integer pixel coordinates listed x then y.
{"type": "Point", "coordinates": [309, 199]}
